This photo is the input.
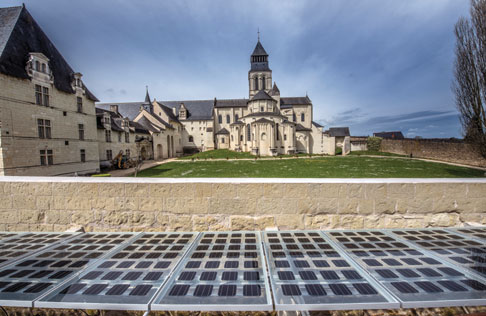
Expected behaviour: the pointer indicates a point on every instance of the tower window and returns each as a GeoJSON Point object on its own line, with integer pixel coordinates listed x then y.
{"type": "Point", "coordinates": [302, 117]}
{"type": "Point", "coordinates": [256, 83]}
{"type": "Point", "coordinates": [294, 117]}
{"type": "Point", "coordinates": [236, 117]}
{"type": "Point", "coordinates": [37, 65]}
{"type": "Point", "coordinates": [228, 119]}
{"type": "Point", "coordinates": [263, 83]}
{"type": "Point", "coordinates": [44, 70]}
{"type": "Point", "coordinates": [248, 132]}
{"type": "Point", "coordinates": [276, 132]}
{"type": "Point", "coordinates": [220, 119]}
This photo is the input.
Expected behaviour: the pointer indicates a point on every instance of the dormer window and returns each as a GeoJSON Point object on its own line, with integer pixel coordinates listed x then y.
{"type": "Point", "coordinates": [106, 120]}
{"type": "Point", "coordinates": [38, 69]}
{"type": "Point", "coordinates": [77, 83]}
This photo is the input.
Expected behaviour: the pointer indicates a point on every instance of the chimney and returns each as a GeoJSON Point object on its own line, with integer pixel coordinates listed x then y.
{"type": "Point", "coordinates": [114, 108]}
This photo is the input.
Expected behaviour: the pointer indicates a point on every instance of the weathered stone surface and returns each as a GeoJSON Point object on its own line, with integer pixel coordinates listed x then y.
{"type": "Point", "coordinates": [150, 204]}
{"type": "Point", "coordinates": [425, 191]}
{"type": "Point", "coordinates": [99, 203]}
{"type": "Point", "coordinates": [160, 190]}
{"type": "Point", "coordinates": [223, 190]}
{"type": "Point", "coordinates": [180, 223]}
{"type": "Point", "coordinates": [9, 217]}
{"type": "Point", "coordinates": [329, 190]}
{"type": "Point", "coordinates": [137, 189]}
{"type": "Point", "coordinates": [365, 207]}
{"type": "Point", "coordinates": [414, 205]}
{"type": "Point", "coordinates": [348, 206]}
{"type": "Point", "coordinates": [321, 222]}
{"type": "Point", "coordinates": [199, 223]}
{"type": "Point", "coordinates": [376, 191]}
{"type": "Point", "coordinates": [144, 219]}
{"type": "Point", "coordinates": [400, 190]}
{"type": "Point", "coordinates": [263, 222]}
{"type": "Point", "coordinates": [242, 223]}
{"type": "Point", "coordinates": [111, 189]}
{"type": "Point", "coordinates": [31, 216]}
{"type": "Point", "coordinates": [24, 202]}
{"type": "Point", "coordinates": [476, 190]}
{"type": "Point", "coordinates": [352, 222]}
{"type": "Point", "coordinates": [289, 221]}
{"type": "Point", "coordinates": [112, 218]}
{"type": "Point", "coordinates": [235, 206]}
{"type": "Point", "coordinates": [276, 190]}
{"type": "Point", "coordinates": [126, 204]}
{"type": "Point", "coordinates": [41, 202]}
{"type": "Point", "coordinates": [5, 201]}
{"type": "Point", "coordinates": [58, 217]}
{"type": "Point", "coordinates": [77, 203]}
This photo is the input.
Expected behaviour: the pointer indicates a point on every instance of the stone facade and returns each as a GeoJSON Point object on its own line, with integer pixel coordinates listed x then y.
{"type": "Point", "coordinates": [56, 204]}
{"type": "Point", "coordinates": [455, 151]}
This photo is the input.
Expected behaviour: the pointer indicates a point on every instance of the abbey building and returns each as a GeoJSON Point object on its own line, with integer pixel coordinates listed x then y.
{"type": "Point", "coordinates": [266, 123]}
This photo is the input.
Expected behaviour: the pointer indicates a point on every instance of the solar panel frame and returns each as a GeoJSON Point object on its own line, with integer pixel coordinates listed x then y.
{"type": "Point", "coordinates": [328, 280]}
{"type": "Point", "coordinates": [418, 298]}
{"type": "Point", "coordinates": [122, 276]}
{"type": "Point", "coordinates": [473, 232]}
{"type": "Point", "coordinates": [463, 251]}
{"type": "Point", "coordinates": [24, 244]}
{"type": "Point", "coordinates": [53, 265]}
{"type": "Point", "coordinates": [195, 261]}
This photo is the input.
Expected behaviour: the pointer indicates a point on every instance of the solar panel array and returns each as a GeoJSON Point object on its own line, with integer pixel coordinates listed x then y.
{"type": "Point", "coordinates": [415, 277]}
{"type": "Point", "coordinates": [245, 271]}
{"type": "Point", "coordinates": [127, 278]}
{"type": "Point", "coordinates": [308, 273]}
{"type": "Point", "coordinates": [462, 251]}
{"type": "Point", "coordinates": [224, 271]}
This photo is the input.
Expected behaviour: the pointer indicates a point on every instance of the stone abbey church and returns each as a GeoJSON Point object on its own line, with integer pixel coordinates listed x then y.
{"type": "Point", "coordinates": [51, 123]}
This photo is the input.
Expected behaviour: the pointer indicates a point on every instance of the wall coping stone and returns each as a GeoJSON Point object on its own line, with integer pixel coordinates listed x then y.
{"type": "Point", "coordinates": [237, 180]}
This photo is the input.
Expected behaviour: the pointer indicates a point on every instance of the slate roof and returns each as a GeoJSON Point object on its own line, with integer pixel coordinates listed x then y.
{"type": "Point", "coordinates": [143, 121]}
{"type": "Point", "coordinates": [20, 35]}
{"type": "Point", "coordinates": [222, 131]}
{"type": "Point", "coordinates": [115, 120]}
{"type": "Point", "coordinates": [287, 102]}
{"type": "Point", "coordinates": [300, 128]}
{"type": "Point", "coordinates": [126, 109]}
{"type": "Point", "coordinates": [230, 103]}
{"type": "Point", "coordinates": [139, 128]}
{"type": "Point", "coordinates": [338, 131]}
{"type": "Point", "coordinates": [169, 112]}
{"type": "Point", "coordinates": [317, 124]}
{"type": "Point", "coordinates": [263, 120]}
{"type": "Point", "coordinates": [261, 95]}
{"type": "Point", "coordinates": [237, 123]}
{"type": "Point", "coordinates": [259, 50]}
{"type": "Point", "coordinates": [390, 135]}
{"type": "Point", "coordinates": [196, 109]}
{"type": "Point", "coordinates": [275, 90]}
{"type": "Point", "coordinates": [264, 114]}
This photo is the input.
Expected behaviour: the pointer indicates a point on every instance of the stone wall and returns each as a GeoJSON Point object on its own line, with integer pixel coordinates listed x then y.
{"type": "Point", "coordinates": [440, 149]}
{"type": "Point", "coordinates": [135, 204]}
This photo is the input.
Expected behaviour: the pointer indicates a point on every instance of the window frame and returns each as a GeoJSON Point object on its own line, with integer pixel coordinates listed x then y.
{"type": "Point", "coordinates": [79, 104]}
{"type": "Point", "coordinates": [82, 153]}
{"type": "Point", "coordinates": [44, 128]}
{"type": "Point", "coordinates": [81, 131]}
{"type": "Point", "coordinates": [127, 137]}
{"type": "Point", "coordinates": [108, 136]}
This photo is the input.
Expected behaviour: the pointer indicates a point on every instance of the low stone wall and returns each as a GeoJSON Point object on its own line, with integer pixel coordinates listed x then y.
{"type": "Point", "coordinates": [440, 149]}
{"type": "Point", "coordinates": [136, 204]}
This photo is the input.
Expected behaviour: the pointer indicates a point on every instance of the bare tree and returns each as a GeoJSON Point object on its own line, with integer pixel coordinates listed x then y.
{"type": "Point", "coordinates": [470, 74]}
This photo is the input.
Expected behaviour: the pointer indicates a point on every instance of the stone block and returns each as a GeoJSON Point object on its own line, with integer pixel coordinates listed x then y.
{"type": "Point", "coordinates": [24, 202]}
{"type": "Point", "coordinates": [263, 222]}
{"type": "Point", "coordinates": [307, 206]}
{"type": "Point", "coordinates": [43, 202]}
{"type": "Point", "coordinates": [377, 191]}
{"type": "Point", "coordinates": [224, 190]}
{"type": "Point", "coordinates": [58, 217]}
{"type": "Point", "coordinates": [5, 188]}
{"type": "Point", "coordinates": [162, 220]}
{"type": "Point", "coordinates": [182, 190]}
{"type": "Point", "coordinates": [365, 207]}
{"type": "Point", "coordinates": [111, 189]}
{"type": "Point", "coordinates": [202, 190]}
{"type": "Point", "coordinates": [180, 223]}
{"type": "Point", "coordinates": [385, 206]}
{"type": "Point", "coordinates": [444, 205]}
{"type": "Point", "coordinates": [77, 189]}
{"type": "Point", "coordinates": [374, 221]}
{"type": "Point", "coordinates": [59, 203]}
{"type": "Point", "coordinates": [355, 190]}
{"type": "Point", "coordinates": [414, 205]}
{"type": "Point", "coordinates": [476, 190]}
{"type": "Point", "coordinates": [328, 206]}
{"type": "Point", "coordinates": [142, 218]}
{"type": "Point", "coordinates": [330, 190]}
{"type": "Point", "coordinates": [9, 217]}
{"type": "Point", "coordinates": [150, 204]}
{"type": "Point", "coordinates": [126, 204]}
{"type": "Point", "coordinates": [218, 223]}
{"type": "Point", "coordinates": [275, 190]}
{"type": "Point", "coordinates": [424, 191]}
{"type": "Point", "coordinates": [348, 206]}
{"type": "Point", "coordinates": [321, 221]}
{"type": "Point", "coordinates": [458, 190]}
{"type": "Point", "coordinates": [199, 223]}
{"type": "Point", "coordinates": [444, 220]}
{"type": "Point", "coordinates": [31, 216]}
{"type": "Point", "coordinates": [6, 202]}
{"type": "Point", "coordinates": [351, 222]}
{"type": "Point", "coordinates": [235, 206]}
{"type": "Point", "coordinates": [137, 189]}
{"type": "Point", "coordinates": [187, 205]}
{"type": "Point", "coordinates": [77, 203]}
{"type": "Point", "coordinates": [160, 190]}
{"type": "Point", "coordinates": [250, 190]}
{"type": "Point", "coordinates": [103, 203]}
{"type": "Point", "coordinates": [400, 190]}
{"type": "Point", "coordinates": [242, 223]}
{"type": "Point", "coordinates": [31, 188]}
{"type": "Point", "coordinates": [86, 217]}
{"type": "Point", "coordinates": [290, 190]}
{"type": "Point", "coordinates": [289, 221]}
{"type": "Point", "coordinates": [394, 221]}
{"type": "Point", "coordinates": [115, 218]}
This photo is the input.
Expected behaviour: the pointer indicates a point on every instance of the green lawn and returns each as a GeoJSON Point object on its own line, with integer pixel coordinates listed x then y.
{"type": "Point", "coordinates": [229, 154]}
{"type": "Point", "coordinates": [324, 167]}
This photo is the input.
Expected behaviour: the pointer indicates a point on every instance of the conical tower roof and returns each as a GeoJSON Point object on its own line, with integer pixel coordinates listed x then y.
{"type": "Point", "coordinates": [259, 50]}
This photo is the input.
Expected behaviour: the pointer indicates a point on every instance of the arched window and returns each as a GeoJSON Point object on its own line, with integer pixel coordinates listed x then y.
{"type": "Point", "coordinates": [276, 132]}
{"type": "Point", "coordinates": [256, 83]}
{"type": "Point", "coordinates": [44, 70]}
{"type": "Point", "coordinates": [191, 139]}
{"type": "Point", "coordinates": [263, 83]}
{"type": "Point", "coordinates": [302, 117]}
{"type": "Point", "coordinates": [294, 117]}
{"type": "Point", "coordinates": [264, 136]}
{"type": "Point", "coordinates": [241, 138]}
{"type": "Point", "coordinates": [236, 117]}
{"type": "Point", "coordinates": [37, 65]}
{"type": "Point", "coordinates": [248, 132]}
{"type": "Point", "coordinates": [222, 140]}
{"type": "Point", "coordinates": [228, 119]}
{"type": "Point", "coordinates": [220, 119]}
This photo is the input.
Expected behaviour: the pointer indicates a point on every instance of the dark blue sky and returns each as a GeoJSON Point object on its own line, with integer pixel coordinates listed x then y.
{"type": "Point", "coordinates": [370, 65]}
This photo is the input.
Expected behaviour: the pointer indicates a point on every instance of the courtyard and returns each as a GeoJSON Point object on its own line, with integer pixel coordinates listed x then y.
{"type": "Point", "coordinates": [215, 164]}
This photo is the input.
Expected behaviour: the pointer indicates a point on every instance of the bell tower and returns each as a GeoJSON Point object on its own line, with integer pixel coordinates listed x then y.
{"type": "Point", "coordinates": [260, 75]}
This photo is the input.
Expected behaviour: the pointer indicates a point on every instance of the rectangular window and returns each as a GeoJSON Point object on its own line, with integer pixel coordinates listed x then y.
{"type": "Point", "coordinates": [109, 155]}
{"type": "Point", "coordinates": [228, 119]}
{"type": "Point", "coordinates": [81, 131]}
{"type": "Point", "coordinates": [120, 137]}
{"type": "Point", "coordinates": [38, 94]}
{"type": "Point", "coordinates": [83, 155]}
{"type": "Point", "coordinates": [302, 117]}
{"type": "Point", "coordinates": [108, 136]}
{"type": "Point", "coordinates": [127, 137]}
{"type": "Point", "coordinates": [285, 136]}
{"type": "Point", "coordinates": [45, 96]}
{"type": "Point", "coordinates": [44, 128]}
{"type": "Point", "coordinates": [128, 153]}
{"type": "Point", "coordinates": [46, 157]}
{"type": "Point", "coordinates": [220, 119]}
{"type": "Point", "coordinates": [79, 102]}
{"type": "Point", "coordinates": [236, 117]}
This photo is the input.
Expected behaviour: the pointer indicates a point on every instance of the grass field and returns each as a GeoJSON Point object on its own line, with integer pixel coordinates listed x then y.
{"type": "Point", "coordinates": [322, 167]}
{"type": "Point", "coordinates": [230, 154]}
{"type": "Point", "coordinates": [374, 153]}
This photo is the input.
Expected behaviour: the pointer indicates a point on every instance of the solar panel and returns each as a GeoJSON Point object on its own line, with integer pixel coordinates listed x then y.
{"type": "Point", "coordinates": [24, 280]}
{"type": "Point", "coordinates": [478, 233]}
{"type": "Point", "coordinates": [127, 279]}
{"type": "Point", "coordinates": [463, 251]}
{"type": "Point", "coordinates": [410, 273]}
{"type": "Point", "coordinates": [19, 245]}
{"type": "Point", "coordinates": [308, 273]}
{"type": "Point", "coordinates": [223, 271]}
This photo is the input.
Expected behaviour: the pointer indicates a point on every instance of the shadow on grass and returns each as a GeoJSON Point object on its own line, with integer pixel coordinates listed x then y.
{"type": "Point", "coordinates": [465, 172]}
{"type": "Point", "coordinates": [153, 172]}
